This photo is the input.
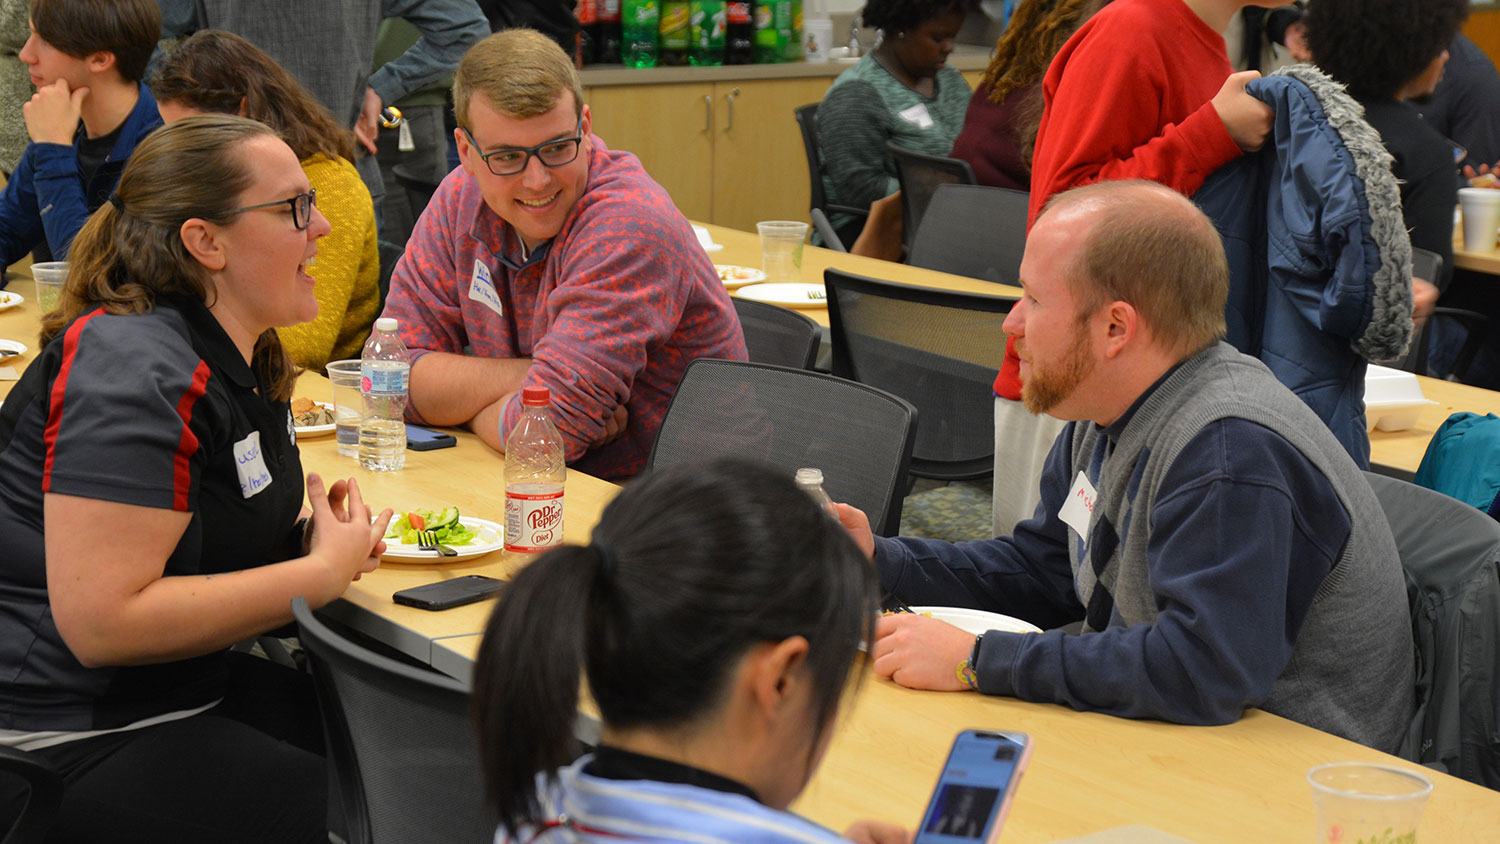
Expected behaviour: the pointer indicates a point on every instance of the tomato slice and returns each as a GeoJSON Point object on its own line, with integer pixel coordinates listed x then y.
{"type": "Point", "coordinates": [416, 521]}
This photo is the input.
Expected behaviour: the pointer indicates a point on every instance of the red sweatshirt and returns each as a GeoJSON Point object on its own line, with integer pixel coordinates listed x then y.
{"type": "Point", "coordinates": [1128, 97]}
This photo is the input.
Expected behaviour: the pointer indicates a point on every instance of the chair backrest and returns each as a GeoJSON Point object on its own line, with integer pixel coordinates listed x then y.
{"type": "Point", "coordinates": [973, 230]}
{"type": "Point", "coordinates": [44, 788]}
{"type": "Point", "coordinates": [399, 740]}
{"type": "Point", "coordinates": [938, 349]}
{"type": "Point", "coordinates": [807, 121]}
{"type": "Point", "coordinates": [389, 253]}
{"type": "Point", "coordinates": [778, 335]}
{"type": "Point", "coordinates": [920, 175]}
{"type": "Point", "coordinates": [859, 436]}
{"type": "Point", "coordinates": [418, 190]}
{"type": "Point", "coordinates": [1451, 554]}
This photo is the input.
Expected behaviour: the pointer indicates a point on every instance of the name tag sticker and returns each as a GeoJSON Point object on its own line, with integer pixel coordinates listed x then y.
{"type": "Point", "coordinates": [917, 116]}
{"type": "Point", "coordinates": [1078, 511]}
{"type": "Point", "coordinates": [250, 464]}
{"type": "Point", "coordinates": [482, 288]}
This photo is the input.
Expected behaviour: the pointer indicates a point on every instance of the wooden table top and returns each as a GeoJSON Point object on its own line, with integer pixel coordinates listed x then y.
{"type": "Point", "coordinates": [1243, 782]}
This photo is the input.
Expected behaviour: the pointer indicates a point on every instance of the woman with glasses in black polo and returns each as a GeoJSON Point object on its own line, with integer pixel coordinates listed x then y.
{"type": "Point", "coordinates": [151, 504]}
{"type": "Point", "coordinates": [216, 72]}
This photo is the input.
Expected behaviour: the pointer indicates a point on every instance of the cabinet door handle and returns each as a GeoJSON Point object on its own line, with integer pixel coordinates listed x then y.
{"type": "Point", "coordinates": [735, 92]}
{"type": "Point", "coordinates": [708, 113]}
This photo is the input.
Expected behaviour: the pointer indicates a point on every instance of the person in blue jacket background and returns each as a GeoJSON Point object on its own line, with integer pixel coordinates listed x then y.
{"type": "Point", "coordinates": [86, 58]}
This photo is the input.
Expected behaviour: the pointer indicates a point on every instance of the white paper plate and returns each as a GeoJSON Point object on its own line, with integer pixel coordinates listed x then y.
{"type": "Point", "coordinates": [978, 621]}
{"type": "Point", "coordinates": [491, 538]}
{"type": "Point", "coordinates": [307, 432]}
{"type": "Point", "coordinates": [12, 346]}
{"type": "Point", "coordinates": [9, 300]}
{"type": "Point", "coordinates": [794, 294]}
{"type": "Point", "coordinates": [706, 240]}
{"type": "Point", "coordinates": [735, 276]}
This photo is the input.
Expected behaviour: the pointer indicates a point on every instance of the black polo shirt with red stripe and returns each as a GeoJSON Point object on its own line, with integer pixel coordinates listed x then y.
{"type": "Point", "coordinates": [156, 410]}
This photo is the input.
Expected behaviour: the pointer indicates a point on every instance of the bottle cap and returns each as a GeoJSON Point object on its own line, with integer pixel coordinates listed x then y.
{"type": "Point", "coordinates": [536, 396]}
{"type": "Point", "coordinates": [810, 476]}
{"type": "Point", "coordinates": [386, 324]}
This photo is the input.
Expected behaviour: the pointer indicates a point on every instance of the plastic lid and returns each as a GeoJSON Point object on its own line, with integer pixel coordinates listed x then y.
{"type": "Point", "coordinates": [810, 476]}
{"type": "Point", "coordinates": [536, 396]}
{"type": "Point", "coordinates": [386, 324]}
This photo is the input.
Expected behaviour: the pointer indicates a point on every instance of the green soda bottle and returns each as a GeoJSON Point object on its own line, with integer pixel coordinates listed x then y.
{"type": "Point", "coordinates": [767, 50]}
{"type": "Point", "coordinates": [793, 45]}
{"type": "Point", "coordinates": [674, 32]}
{"type": "Point", "coordinates": [638, 36]}
{"type": "Point", "coordinates": [707, 48]}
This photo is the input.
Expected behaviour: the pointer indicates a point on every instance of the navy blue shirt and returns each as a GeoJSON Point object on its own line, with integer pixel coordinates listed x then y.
{"type": "Point", "coordinates": [157, 410]}
{"type": "Point", "coordinates": [1243, 531]}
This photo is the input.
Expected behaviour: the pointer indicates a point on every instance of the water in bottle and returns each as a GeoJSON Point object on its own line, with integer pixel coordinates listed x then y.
{"type": "Point", "coordinates": [639, 21]}
{"type": "Point", "coordinates": [810, 481]}
{"type": "Point", "coordinates": [534, 476]}
{"type": "Point", "coordinates": [384, 378]}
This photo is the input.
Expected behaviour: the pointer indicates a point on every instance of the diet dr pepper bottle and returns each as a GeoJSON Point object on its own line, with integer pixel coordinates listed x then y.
{"type": "Point", "coordinates": [534, 476]}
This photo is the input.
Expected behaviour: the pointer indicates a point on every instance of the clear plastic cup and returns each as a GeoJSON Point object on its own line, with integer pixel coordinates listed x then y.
{"type": "Point", "coordinates": [50, 276]}
{"type": "Point", "coordinates": [1359, 801]}
{"type": "Point", "coordinates": [781, 249]}
{"type": "Point", "coordinates": [348, 404]}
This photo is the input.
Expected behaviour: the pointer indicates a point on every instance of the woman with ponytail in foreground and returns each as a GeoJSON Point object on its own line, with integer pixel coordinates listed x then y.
{"type": "Point", "coordinates": [150, 491]}
{"type": "Point", "coordinates": [716, 617]}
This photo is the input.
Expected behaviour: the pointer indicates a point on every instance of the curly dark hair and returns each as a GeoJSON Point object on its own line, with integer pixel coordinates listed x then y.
{"type": "Point", "coordinates": [1375, 47]}
{"type": "Point", "coordinates": [893, 16]}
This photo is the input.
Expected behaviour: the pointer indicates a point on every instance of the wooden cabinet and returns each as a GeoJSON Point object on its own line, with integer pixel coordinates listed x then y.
{"type": "Point", "coordinates": [727, 152]}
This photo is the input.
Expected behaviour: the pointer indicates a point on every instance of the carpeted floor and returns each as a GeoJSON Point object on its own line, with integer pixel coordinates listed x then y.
{"type": "Point", "coordinates": [956, 511]}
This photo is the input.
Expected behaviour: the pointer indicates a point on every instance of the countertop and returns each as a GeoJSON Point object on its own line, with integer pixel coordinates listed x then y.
{"type": "Point", "coordinates": [966, 57]}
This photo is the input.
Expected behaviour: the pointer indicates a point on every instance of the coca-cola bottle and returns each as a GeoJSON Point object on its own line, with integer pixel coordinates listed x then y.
{"type": "Point", "coordinates": [739, 33]}
{"type": "Point", "coordinates": [607, 32]}
{"type": "Point", "coordinates": [534, 476]}
{"type": "Point", "coordinates": [587, 14]}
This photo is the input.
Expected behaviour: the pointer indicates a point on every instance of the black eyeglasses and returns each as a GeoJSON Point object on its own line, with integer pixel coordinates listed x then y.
{"type": "Point", "coordinates": [302, 206]}
{"type": "Point", "coordinates": [512, 160]}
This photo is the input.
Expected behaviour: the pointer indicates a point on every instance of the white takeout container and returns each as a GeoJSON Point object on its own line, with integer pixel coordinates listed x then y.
{"type": "Point", "coordinates": [1393, 399]}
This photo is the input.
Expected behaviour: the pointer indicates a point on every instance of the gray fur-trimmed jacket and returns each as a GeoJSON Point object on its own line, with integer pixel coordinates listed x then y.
{"type": "Point", "coordinates": [1319, 260]}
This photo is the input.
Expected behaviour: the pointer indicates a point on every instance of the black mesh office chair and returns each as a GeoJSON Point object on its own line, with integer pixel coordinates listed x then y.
{"type": "Point", "coordinates": [973, 230]}
{"type": "Point", "coordinates": [807, 121]}
{"type": "Point", "coordinates": [777, 335]}
{"type": "Point", "coordinates": [861, 437]}
{"type": "Point", "coordinates": [920, 175]}
{"type": "Point", "coordinates": [1429, 265]}
{"type": "Point", "coordinates": [399, 742]}
{"type": "Point", "coordinates": [939, 350]}
{"type": "Point", "coordinates": [45, 788]}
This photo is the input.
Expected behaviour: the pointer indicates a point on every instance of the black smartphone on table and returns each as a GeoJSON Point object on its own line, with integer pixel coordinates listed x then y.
{"type": "Point", "coordinates": [446, 594]}
{"type": "Point", "coordinates": [426, 439]}
{"type": "Point", "coordinates": [974, 792]}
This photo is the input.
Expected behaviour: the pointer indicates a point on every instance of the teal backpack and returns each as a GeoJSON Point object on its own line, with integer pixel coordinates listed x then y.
{"type": "Point", "coordinates": [1463, 460]}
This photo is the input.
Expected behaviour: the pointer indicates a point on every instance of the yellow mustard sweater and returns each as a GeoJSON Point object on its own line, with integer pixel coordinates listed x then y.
{"type": "Point", "coordinates": [347, 271]}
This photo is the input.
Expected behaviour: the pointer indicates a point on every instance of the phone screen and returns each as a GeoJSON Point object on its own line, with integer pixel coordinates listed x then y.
{"type": "Point", "coordinates": [975, 788]}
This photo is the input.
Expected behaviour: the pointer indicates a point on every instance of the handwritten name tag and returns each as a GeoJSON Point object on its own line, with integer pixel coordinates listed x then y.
{"type": "Point", "coordinates": [482, 288]}
{"type": "Point", "coordinates": [250, 464]}
{"type": "Point", "coordinates": [917, 116]}
{"type": "Point", "coordinates": [1078, 510]}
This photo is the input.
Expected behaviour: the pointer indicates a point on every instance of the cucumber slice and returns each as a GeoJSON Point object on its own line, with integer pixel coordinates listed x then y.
{"type": "Point", "coordinates": [447, 516]}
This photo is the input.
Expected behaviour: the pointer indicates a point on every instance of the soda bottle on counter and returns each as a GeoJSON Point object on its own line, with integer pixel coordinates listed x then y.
{"type": "Point", "coordinates": [739, 32]}
{"type": "Point", "coordinates": [792, 47]}
{"type": "Point", "coordinates": [675, 18]}
{"type": "Point", "coordinates": [535, 473]}
{"type": "Point", "coordinates": [767, 50]}
{"type": "Point", "coordinates": [707, 48]}
{"type": "Point", "coordinates": [384, 377]}
{"type": "Point", "coordinates": [639, 21]}
{"type": "Point", "coordinates": [781, 19]}
{"type": "Point", "coordinates": [607, 32]}
{"type": "Point", "coordinates": [586, 12]}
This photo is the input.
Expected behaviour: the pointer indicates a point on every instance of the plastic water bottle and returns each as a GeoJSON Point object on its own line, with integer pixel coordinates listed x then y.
{"type": "Point", "coordinates": [534, 475]}
{"type": "Point", "coordinates": [810, 481]}
{"type": "Point", "coordinates": [385, 377]}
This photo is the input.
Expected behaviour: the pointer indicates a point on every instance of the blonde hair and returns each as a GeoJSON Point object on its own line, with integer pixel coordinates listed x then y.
{"type": "Point", "coordinates": [520, 71]}
{"type": "Point", "coordinates": [1151, 247]}
{"type": "Point", "coordinates": [127, 256]}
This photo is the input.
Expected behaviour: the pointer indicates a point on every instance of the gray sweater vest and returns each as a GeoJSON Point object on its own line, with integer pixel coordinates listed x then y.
{"type": "Point", "coordinates": [1351, 671]}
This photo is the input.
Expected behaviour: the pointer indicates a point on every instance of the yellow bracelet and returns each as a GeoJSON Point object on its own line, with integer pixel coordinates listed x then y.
{"type": "Point", "coordinates": [966, 674]}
